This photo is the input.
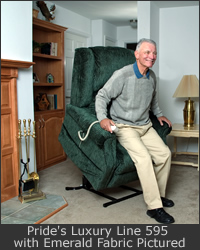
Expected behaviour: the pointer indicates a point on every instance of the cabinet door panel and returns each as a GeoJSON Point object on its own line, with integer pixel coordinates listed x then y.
{"type": "Point", "coordinates": [9, 143]}
{"type": "Point", "coordinates": [53, 150]}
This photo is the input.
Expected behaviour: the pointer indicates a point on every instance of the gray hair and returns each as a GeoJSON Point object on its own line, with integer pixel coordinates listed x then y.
{"type": "Point", "coordinates": [144, 40]}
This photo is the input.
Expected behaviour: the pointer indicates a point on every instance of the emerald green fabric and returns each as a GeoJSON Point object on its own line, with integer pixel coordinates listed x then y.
{"type": "Point", "coordinates": [92, 68]}
{"type": "Point", "coordinates": [102, 160]}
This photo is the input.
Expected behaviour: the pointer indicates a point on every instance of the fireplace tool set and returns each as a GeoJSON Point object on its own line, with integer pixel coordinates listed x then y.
{"type": "Point", "coordinates": [30, 185]}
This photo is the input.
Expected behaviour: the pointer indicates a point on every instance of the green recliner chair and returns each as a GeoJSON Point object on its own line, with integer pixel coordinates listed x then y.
{"type": "Point", "coordinates": [102, 160]}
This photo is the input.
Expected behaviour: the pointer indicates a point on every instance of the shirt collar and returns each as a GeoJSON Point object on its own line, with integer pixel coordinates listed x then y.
{"type": "Point", "coordinates": [137, 72]}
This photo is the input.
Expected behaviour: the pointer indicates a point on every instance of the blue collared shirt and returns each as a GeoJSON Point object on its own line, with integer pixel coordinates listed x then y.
{"type": "Point", "coordinates": [137, 72]}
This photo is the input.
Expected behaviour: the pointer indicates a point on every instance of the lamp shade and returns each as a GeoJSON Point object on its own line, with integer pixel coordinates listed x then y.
{"type": "Point", "coordinates": [188, 87]}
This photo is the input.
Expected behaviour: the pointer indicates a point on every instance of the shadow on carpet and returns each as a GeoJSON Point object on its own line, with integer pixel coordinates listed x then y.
{"type": "Point", "coordinates": [33, 212]}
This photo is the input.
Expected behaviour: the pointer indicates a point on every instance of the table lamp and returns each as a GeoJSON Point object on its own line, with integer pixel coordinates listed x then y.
{"type": "Point", "coordinates": [188, 87]}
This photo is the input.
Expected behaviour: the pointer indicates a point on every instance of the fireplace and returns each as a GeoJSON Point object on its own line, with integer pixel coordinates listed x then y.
{"type": "Point", "coordinates": [9, 127]}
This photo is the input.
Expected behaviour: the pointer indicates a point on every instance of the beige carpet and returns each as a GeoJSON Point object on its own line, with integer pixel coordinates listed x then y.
{"type": "Point", "coordinates": [87, 208]}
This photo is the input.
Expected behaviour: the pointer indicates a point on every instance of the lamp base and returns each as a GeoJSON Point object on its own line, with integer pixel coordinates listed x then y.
{"type": "Point", "coordinates": [188, 113]}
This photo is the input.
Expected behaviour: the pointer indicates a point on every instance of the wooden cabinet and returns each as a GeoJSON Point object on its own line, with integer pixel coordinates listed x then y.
{"type": "Point", "coordinates": [48, 122]}
{"type": "Point", "coordinates": [50, 151]}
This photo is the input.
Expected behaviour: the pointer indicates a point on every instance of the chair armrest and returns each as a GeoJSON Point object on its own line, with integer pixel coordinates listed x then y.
{"type": "Point", "coordinates": [84, 118]}
{"type": "Point", "coordinates": [164, 130]}
{"type": "Point", "coordinates": [96, 156]}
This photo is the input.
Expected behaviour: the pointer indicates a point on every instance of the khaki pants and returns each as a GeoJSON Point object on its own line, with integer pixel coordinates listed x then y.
{"type": "Point", "coordinates": [152, 159]}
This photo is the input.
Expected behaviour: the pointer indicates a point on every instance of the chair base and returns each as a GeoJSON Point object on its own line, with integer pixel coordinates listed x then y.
{"type": "Point", "coordinates": [87, 186]}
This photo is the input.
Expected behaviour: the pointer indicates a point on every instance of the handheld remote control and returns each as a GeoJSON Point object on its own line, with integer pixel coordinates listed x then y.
{"type": "Point", "coordinates": [114, 128]}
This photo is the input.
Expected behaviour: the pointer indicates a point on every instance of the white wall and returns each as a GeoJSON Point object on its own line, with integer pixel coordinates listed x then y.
{"type": "Point", "coordinates": [101, 30]}
{"type": "Point", "coordinates": [97, 31]}
{"type": "Point", "coordinates": [119, 35]}
{"type": "Point", "coordinates": [148, 25]}
{"type": "Point", "coordinates": [126, 34]}
{"type": "Point", "coordinates": [179, 55]}
{"type": "Point", "coordinates": [154, 33]}
{"type": "Point", "coordinates": [176, 31]}
{"type": "Point", "coordinates": [16, 44]}
{"type": "Point", "coordinates": [74, 22]}
{"type": "Point", "coordinates": [109, 32]}
{"type": "Point", "coordinates": [143, 19]}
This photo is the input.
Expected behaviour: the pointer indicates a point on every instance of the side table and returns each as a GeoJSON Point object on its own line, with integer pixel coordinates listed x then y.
{"type": "Point", "coordinates": [178, 130]}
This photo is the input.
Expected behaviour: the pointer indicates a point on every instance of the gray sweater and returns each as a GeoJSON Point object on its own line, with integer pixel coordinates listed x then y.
{"type": "Point", "coordinates": [131, 97]}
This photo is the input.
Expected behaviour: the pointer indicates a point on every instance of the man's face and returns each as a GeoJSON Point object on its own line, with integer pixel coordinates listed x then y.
{"type": "Point", "coordinates": [146, 56]}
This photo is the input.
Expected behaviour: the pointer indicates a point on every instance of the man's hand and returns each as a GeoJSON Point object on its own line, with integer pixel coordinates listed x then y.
{"type": "Point", "coordinates": [106, 123]}
{"type": "Point", "coordinates": [163, 118]}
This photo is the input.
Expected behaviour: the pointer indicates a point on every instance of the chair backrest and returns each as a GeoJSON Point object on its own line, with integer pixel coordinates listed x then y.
{"type": "Point", "coordinates": [92, 68]}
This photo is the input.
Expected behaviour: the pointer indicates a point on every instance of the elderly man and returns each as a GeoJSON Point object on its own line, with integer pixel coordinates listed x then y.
{"type": "Point", "coordinates": [132, 93]}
